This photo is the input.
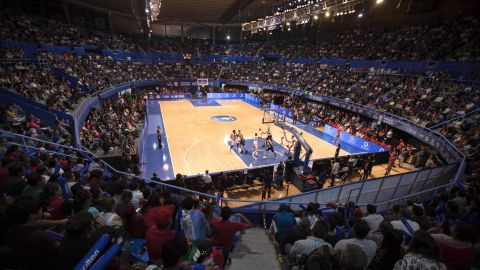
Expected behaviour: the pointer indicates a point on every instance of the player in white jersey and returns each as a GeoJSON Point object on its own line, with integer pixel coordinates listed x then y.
{"type": "Point", "coordinates": [284, 136]}
{"type": "Point", "coordinates": [256, 144]}
{"type": "Point", "coordinates": [291, 144]}
{"type": "Point", "coordinates": [233, 140]}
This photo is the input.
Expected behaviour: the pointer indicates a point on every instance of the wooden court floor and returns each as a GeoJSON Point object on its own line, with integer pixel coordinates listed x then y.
{"type": "Point", "coordinates": [197, 143]}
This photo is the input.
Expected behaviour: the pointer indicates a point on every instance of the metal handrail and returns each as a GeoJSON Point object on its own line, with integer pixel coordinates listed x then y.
{"type": "Point", "coordinates": [454, 118]}
{"type": "Point", "coordinates": [93, 156]}
{"type": "Point", "coordinates": [411, 195]}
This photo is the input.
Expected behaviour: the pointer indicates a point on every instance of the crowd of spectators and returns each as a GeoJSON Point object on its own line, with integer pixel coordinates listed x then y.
{"type": "Point", "coordinates": [40, 84]}
{"type": "Point", "coordinates": [306, 110]}
{"type": "Point", "coordinates": [97, 72]}
{"type": "Point", "coordinates": [116, 124]}
{"type": "Point", "coordinates": [75, 197]}
{"type": "Point", "coordinates": [454, 40]}
{"type": "Point", "coordinates": [10, 54]}
{"type": "Point", "coordinates": [436, 95]}
{"type": "Point", "coordinates": [54, 208]}
{"type": "Point", "coordinates": [439, 234]}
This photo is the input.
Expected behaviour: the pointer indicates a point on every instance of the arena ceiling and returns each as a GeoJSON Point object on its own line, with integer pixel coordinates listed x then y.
{"type": "Point", "coordinates": [194, 11]}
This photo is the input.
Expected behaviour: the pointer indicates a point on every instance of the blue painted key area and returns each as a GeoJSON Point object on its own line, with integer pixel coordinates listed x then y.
{"type": "Point", "coordinates": [204, 102]}
{"type": "Point", "coordinates": [253, 159]}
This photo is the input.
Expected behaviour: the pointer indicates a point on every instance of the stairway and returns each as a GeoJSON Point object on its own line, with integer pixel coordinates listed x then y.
{"type": "Point", "coordinates": [254, 251]}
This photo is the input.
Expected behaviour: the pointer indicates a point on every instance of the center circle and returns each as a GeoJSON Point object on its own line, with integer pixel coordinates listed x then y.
{"type": "Point", "coordinates": [223, 118]}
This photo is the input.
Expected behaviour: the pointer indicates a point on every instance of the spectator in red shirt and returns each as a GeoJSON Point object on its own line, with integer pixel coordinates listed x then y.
{"type": "Point", "coordinates": [156, 204]}
{"type": "Point", "coordinates": [52, 197]}
{"type": "Point", "coordinates": [458, 250]}
{"type": "Point", "coordinates": [157, 234]}
{"type": "Point", "coordinates": [224, 230]}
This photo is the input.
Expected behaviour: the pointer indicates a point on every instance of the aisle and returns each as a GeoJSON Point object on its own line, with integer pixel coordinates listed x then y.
{"type": "Point", "coordinates": [255, 251]}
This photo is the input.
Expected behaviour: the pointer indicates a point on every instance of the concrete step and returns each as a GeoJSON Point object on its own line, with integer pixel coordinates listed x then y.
{"type": "Point", "coordinates": [254, 251]}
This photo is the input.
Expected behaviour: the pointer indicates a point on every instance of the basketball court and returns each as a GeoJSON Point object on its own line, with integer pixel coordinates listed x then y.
{"type": "Point", "coordinates": [196, 136]}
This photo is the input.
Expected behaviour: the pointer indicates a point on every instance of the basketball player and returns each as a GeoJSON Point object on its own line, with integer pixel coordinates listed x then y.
{"type": "Point", "coordinates": [256, 143]}
{"type": "Point", "coordinates": [284, 136]}
{"type": "Point", "coordinates": [267, 137]}
{"type": "Point", "coordinates": [233, 140]}
{"type": "Point", "coordinates": [267, 133]}
{"type": "Point", "coordinates": [269, 147]}
{"type": "Point", "coordinates": [291, 145]}
{"type": "Point", "coordinates": [241, 142]}
{"type": "Point", "coordinates": [159, 137]}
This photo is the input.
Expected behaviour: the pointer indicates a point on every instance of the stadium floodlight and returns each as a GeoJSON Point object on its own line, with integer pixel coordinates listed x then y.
{"type": "Point", "coordinates": [154, 7]}
{"type": "Point", "coordinates": [379, 1]}
{"type": "Point", "coordinates": [300, 10]}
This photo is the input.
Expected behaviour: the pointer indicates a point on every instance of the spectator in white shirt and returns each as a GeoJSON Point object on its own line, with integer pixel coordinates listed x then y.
{"type": "Point", "coordinates": [137, 194]}
{"type": "Point", "coordinates": [360, 231]}
{"type": "Point", "coordinates": [405, 225]}
{"type": "Point", "coordinates": [207, 179]}
{"type": "Point", "coordinates": [373, 219]}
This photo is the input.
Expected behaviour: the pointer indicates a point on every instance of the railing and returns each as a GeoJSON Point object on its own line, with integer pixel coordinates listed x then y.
{"type": "Point", "coordinates": [29, 144]}
{"type": "Point", "coordinates": [380, 191]}
{"type": "Point", "coordinates": [372, 191]}
{"type": "Point", "coordinates": [465, 115]}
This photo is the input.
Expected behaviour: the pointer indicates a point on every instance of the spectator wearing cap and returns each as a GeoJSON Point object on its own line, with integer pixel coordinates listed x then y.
{"type": "Point", "coordinates": [158, 233]}
{"type": "Point", "coordinates": [357, 213]}
{"type": "Point", "coordinates": [223, 231]}
{"type": "Point", "coordinates": [360, 231]}
{"type": "Point", "coordinates": [372, 218]}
